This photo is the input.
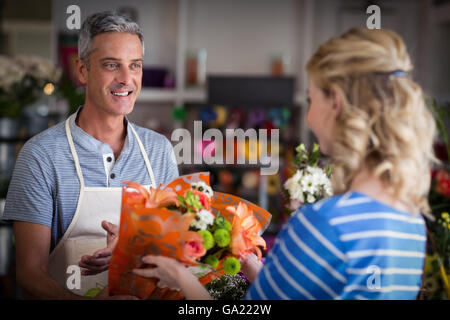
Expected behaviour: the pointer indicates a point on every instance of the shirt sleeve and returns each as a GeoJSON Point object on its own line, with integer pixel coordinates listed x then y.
{"type": "Point", "coordinates": [30, 193]}
{"type": "Point", "coordinates": [306, 262]}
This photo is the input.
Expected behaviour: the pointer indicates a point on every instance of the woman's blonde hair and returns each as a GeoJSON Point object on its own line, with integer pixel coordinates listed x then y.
{"type": "Point", "coordinates": [384, 123]}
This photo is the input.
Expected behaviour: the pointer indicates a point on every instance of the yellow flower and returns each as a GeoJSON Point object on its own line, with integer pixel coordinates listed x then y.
{"type": "Point", "coordinates": [444, 220]}
{"type": "Point", "coordinates": [429, 259]}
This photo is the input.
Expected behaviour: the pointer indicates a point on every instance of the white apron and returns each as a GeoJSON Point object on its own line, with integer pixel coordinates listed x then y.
{"type": "Point", "coordinates": [85, 234]}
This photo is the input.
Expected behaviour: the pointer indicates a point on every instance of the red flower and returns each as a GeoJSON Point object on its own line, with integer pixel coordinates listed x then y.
{"type": "Point", "coordinates": [443, 183]}
{"type": "Point", "coordinates": [203, 198]}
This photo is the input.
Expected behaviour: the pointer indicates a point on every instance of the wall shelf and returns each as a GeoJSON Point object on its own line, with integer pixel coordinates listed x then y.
{"type": "Point", "coordinates": [153, 95]}
{"type": "Point", "coordinates": [191, 95]}
{"type": "Point", "coordinates": [156, 95]}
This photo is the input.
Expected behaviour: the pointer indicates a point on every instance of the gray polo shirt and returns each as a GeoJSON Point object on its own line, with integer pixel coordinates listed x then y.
{"type": "Point", "coordinates": [44, 187]}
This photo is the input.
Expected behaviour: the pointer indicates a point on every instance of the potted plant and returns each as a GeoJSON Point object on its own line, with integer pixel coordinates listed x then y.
{"type": "Point", "coordinates": [26, 82]}
{"type": "Point", "coordinates": [39, 82]}
{"type": "Point", "coordinates": [11, 76]}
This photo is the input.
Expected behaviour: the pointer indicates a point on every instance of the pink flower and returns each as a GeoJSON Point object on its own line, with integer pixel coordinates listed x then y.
{"type": "Point", "coordinates": [193, 248]}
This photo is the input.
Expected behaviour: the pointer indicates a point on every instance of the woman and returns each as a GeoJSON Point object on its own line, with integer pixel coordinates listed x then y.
{"type": "Point", "coordinates": [368, 241]}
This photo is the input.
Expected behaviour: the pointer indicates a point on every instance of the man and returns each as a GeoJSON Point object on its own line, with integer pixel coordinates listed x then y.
{"type": "Point", "coordinates": [66, 185]}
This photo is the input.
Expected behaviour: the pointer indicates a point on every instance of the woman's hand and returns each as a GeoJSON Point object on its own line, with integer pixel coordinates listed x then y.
{"type": "Point", "coordinates": [167, 270]}
{"type": "Point", "coordinates": [251, 266]}
{"type": "Point", "coordinates": [174, 275]}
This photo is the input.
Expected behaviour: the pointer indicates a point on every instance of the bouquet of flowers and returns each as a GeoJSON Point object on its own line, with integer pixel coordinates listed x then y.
{"type": "Point", "coordinates": [206, 230]}
{"type": "Point", "coordinates": [310, 182]}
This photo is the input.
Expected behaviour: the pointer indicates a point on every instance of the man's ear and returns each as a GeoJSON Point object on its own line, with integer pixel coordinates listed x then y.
{"type": "Point", "coordinates": [81, 70]}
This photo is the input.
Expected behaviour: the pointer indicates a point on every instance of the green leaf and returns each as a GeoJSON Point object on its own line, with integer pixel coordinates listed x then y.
{"type": "Point", "coordinates": [315, 148]}
{"type": "Point", "coordinates": [440, 115]}
{"type": "Point", "coordinates": [300, 148]}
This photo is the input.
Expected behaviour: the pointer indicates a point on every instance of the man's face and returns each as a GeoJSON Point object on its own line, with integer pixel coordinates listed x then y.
{"type": "Point", "coordinates": [113, 81]}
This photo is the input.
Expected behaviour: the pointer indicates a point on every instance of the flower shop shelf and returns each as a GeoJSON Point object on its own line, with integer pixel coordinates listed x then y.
{"type": "Point", "coordinates": [244, 166]}
{"type": "Point", "coordinates": [172, 95]}
{"type": "Point", "coordinates": [190, 95]}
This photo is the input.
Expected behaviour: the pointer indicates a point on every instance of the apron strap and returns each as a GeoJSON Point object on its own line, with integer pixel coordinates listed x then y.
{"type": "Point", "coordinates": [144, 155]}
{"type": "Point", "coordinates": [74, 153]}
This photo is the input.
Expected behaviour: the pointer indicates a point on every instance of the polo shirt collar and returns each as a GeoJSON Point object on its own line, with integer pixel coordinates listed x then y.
{"type": "Point", "coordinates": [88, 142]}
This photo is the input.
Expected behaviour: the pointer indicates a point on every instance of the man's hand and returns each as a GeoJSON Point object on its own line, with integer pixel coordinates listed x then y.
{"type": "Point", "coordinates": [99, 261]}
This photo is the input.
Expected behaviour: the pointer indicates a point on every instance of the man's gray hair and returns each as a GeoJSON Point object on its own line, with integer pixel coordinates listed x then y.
{"type": "Point", "coordinates": [107, 21]}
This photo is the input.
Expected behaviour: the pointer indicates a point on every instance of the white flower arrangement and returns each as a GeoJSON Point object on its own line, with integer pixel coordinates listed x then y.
{"type": "Point", "coordinates": [308, 185]}
{"type": "Point", "coordinates": [39, 68]}
{"type": "Point", "coordinates": [10, 74]}
{"type": "Point", "coordinates": [203, 187]}
{"type": "Point", "coordinates": [203, 219]}
{"type": "Point", "coordinates": [310, 182]}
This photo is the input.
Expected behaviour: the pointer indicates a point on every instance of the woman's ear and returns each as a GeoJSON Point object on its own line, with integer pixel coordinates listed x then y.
{"type": "Point", "coordinates": [81, 70]}
{"type": "Point", "coordinates": [336, 100]}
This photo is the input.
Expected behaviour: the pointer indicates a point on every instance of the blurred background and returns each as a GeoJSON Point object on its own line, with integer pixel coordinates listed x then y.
{"type": "Point", "coordinates": [228, 63]}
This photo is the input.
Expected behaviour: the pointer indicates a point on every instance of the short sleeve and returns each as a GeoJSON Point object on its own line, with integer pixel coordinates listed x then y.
{"type": "Point", "coordinates": [306, 262]}
{"type": "Point", "coordinates": [29, 197]}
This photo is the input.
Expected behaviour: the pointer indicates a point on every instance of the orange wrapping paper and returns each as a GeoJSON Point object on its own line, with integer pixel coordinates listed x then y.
{"type": "Point", "coordinates": [160, 232]}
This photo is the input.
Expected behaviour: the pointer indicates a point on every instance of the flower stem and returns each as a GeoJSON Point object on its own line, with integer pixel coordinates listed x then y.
{"type": "Point", "coordinates": [441, 266]}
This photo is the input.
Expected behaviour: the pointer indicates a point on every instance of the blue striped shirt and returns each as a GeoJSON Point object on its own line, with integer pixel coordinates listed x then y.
{"type": "Point", "coordinates": [44, 187]}
{"type": "Point", "coordinates": [345, 247]}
